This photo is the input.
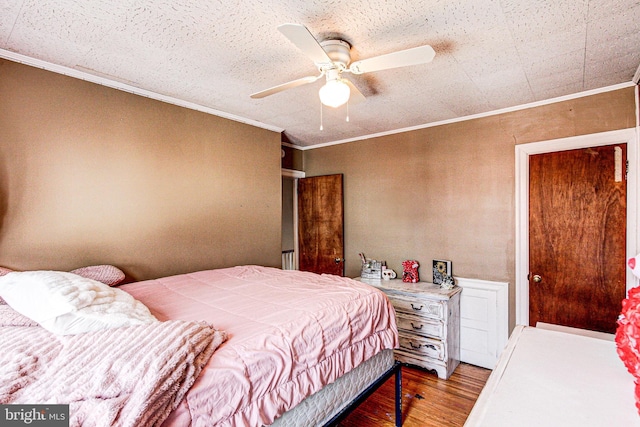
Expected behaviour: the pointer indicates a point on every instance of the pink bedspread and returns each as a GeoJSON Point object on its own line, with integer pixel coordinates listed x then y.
{"type": "Point", "coordinates": [124, 377]}
{"type": "Point", "coordinates": [289, 334]}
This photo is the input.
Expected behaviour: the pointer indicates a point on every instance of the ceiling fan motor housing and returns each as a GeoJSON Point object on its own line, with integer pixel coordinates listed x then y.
{"type": "Point", "coordinates": [338, 51]}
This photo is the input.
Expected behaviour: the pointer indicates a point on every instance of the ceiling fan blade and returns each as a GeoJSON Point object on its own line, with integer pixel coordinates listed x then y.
{"type": "Point", "coordinates": [356, 96]}
{"type": "Point", "coordinates": [304, 40]}
{"type": "Point", "coordinates": [285, 86]}
{"type": "Point", "coordinates": [402, 58]}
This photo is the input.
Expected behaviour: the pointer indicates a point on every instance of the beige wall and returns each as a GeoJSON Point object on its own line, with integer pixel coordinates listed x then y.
{"type": "Point", "coordinates": [92, 175]}
{"type": "Point", "coordinates": [448, 192]}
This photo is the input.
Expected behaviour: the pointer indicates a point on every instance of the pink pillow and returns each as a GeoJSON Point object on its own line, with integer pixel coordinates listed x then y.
{"type": "Point", "coordinates": [107, 274]}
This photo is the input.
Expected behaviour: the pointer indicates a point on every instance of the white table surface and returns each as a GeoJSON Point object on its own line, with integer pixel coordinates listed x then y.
{"type": "Point", "coordinates": [549, 378]}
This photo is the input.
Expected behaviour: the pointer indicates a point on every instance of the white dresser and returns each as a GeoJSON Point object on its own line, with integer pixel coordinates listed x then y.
{"type": "Point", "coordinates": [428, 320]}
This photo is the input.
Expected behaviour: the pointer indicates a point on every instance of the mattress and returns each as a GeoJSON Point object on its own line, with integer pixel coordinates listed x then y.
{"type": "Point", "coordinates": [320, 407]}
{"type": "Point", "coordinates": [552, 378]}
{"type": "Point", "coordinates": [290, 333]}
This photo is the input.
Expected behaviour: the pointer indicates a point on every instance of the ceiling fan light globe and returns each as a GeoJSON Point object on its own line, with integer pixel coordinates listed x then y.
{"type": "Point", "coordinates": [334, 93]}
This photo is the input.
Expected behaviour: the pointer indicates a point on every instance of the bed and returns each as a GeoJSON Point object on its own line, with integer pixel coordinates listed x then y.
{"type": "Point", "coordinates": [294, 348]}
{"type": "Point", "coordinates": [556, 376]}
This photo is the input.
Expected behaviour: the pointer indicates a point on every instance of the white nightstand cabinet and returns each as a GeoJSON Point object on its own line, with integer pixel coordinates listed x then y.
{"type": "Point", "coordinates": [428, 319]}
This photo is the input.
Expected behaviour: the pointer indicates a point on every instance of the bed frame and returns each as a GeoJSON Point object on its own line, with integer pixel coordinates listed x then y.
{"type": "Point", "coordinates": [396, 370]}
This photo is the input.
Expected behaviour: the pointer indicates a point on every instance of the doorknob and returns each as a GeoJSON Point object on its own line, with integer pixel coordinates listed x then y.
{"type": "Point", "coordinates": [537, 278]}
{"type": "Point", "coordinates": [339, 260]}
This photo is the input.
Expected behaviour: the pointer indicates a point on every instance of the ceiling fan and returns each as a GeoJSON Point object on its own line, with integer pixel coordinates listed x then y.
{"type": "Point", "coordinates": [332, 58]}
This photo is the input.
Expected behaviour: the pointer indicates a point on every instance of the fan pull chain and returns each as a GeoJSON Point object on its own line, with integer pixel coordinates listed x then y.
{"type": "Point", "coordinates": [347, 111]}
{"type": "Point", "coordinates": [321, 128]}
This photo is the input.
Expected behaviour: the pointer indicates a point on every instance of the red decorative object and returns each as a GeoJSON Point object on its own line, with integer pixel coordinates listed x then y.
{"type": "Point", "coordinates": [628, 338]}
{"type": "Point", "coordinates": [410, 271]}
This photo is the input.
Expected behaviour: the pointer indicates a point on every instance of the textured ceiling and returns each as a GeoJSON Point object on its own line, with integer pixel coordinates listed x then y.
{"type": "Point", "coordinates": [490, 54]}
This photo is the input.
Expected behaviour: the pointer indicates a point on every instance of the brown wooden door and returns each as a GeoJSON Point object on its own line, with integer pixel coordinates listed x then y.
{"type": "Point", "coordinates": [577, 237]}
{"type": "Point", "coordinates": [320, 224]}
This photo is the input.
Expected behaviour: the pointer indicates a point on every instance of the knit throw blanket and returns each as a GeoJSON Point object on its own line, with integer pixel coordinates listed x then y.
{"type": "Point", "coordinates": [129, 376]}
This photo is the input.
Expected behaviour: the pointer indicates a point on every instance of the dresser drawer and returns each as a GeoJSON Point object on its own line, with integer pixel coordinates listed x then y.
{"type": "Point", "coordinates": [419, 306]}
{"type": "Point", "coordinates": [420, 325]}
{"type": "Point", "coordinates": [428, 319]}
{"type": "Point", "coordinates": [421, 347]}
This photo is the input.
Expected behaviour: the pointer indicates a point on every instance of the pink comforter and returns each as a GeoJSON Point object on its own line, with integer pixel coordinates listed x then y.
{"type": "Point", "coordinates": [289, 334]}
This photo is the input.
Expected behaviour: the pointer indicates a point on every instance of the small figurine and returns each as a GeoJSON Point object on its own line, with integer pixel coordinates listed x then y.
{"type": "Point", "coordinates": [447, 282]}
{"type": "Point", "coordinates": [410, 271]}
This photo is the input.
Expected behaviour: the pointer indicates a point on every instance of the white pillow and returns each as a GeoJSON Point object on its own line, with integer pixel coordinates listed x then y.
{"type": "Point", "coordinates": [67, 304]}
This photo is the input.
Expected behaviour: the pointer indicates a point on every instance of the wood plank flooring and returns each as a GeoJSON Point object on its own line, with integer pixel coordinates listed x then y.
{"type": "Point", "coordinates": [427, 401]}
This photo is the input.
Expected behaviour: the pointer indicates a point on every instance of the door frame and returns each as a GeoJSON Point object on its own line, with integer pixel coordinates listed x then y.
{"type": "Point", "coordinates": [295, 175]}
{"type": "Point", "coordinates": [523, 151]}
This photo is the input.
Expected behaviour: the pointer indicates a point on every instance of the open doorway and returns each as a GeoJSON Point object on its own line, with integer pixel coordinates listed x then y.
{"type": "Point", "coordinates": [290, 218]}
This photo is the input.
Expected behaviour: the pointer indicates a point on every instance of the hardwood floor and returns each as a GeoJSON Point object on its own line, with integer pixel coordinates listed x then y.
{"type": "Point", "coordinates": [427, 401]}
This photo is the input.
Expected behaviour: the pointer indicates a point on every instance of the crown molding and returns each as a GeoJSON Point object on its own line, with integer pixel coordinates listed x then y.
{"type": "Point", "coordinates": [477, 116]}
{"type": "Point", "coordinates": [103, 81]}
{"type": "Point", "coordinates": [82, 75]}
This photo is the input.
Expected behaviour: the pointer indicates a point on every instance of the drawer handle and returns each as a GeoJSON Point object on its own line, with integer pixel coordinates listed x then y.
{"type": "Point", "coordinates": [417, 328]}
{"type": "Point", "coordinates": [417, 308]}
{"type": "Point", "coordinates": [419, 346]}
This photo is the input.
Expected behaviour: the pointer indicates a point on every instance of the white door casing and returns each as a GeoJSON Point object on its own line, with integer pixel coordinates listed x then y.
{"type": "Point", "coordinates": [523, 151]}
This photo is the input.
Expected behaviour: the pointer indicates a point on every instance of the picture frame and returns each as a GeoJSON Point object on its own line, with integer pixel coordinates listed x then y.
{"type": "Point", "coordinates": [441, 267]}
